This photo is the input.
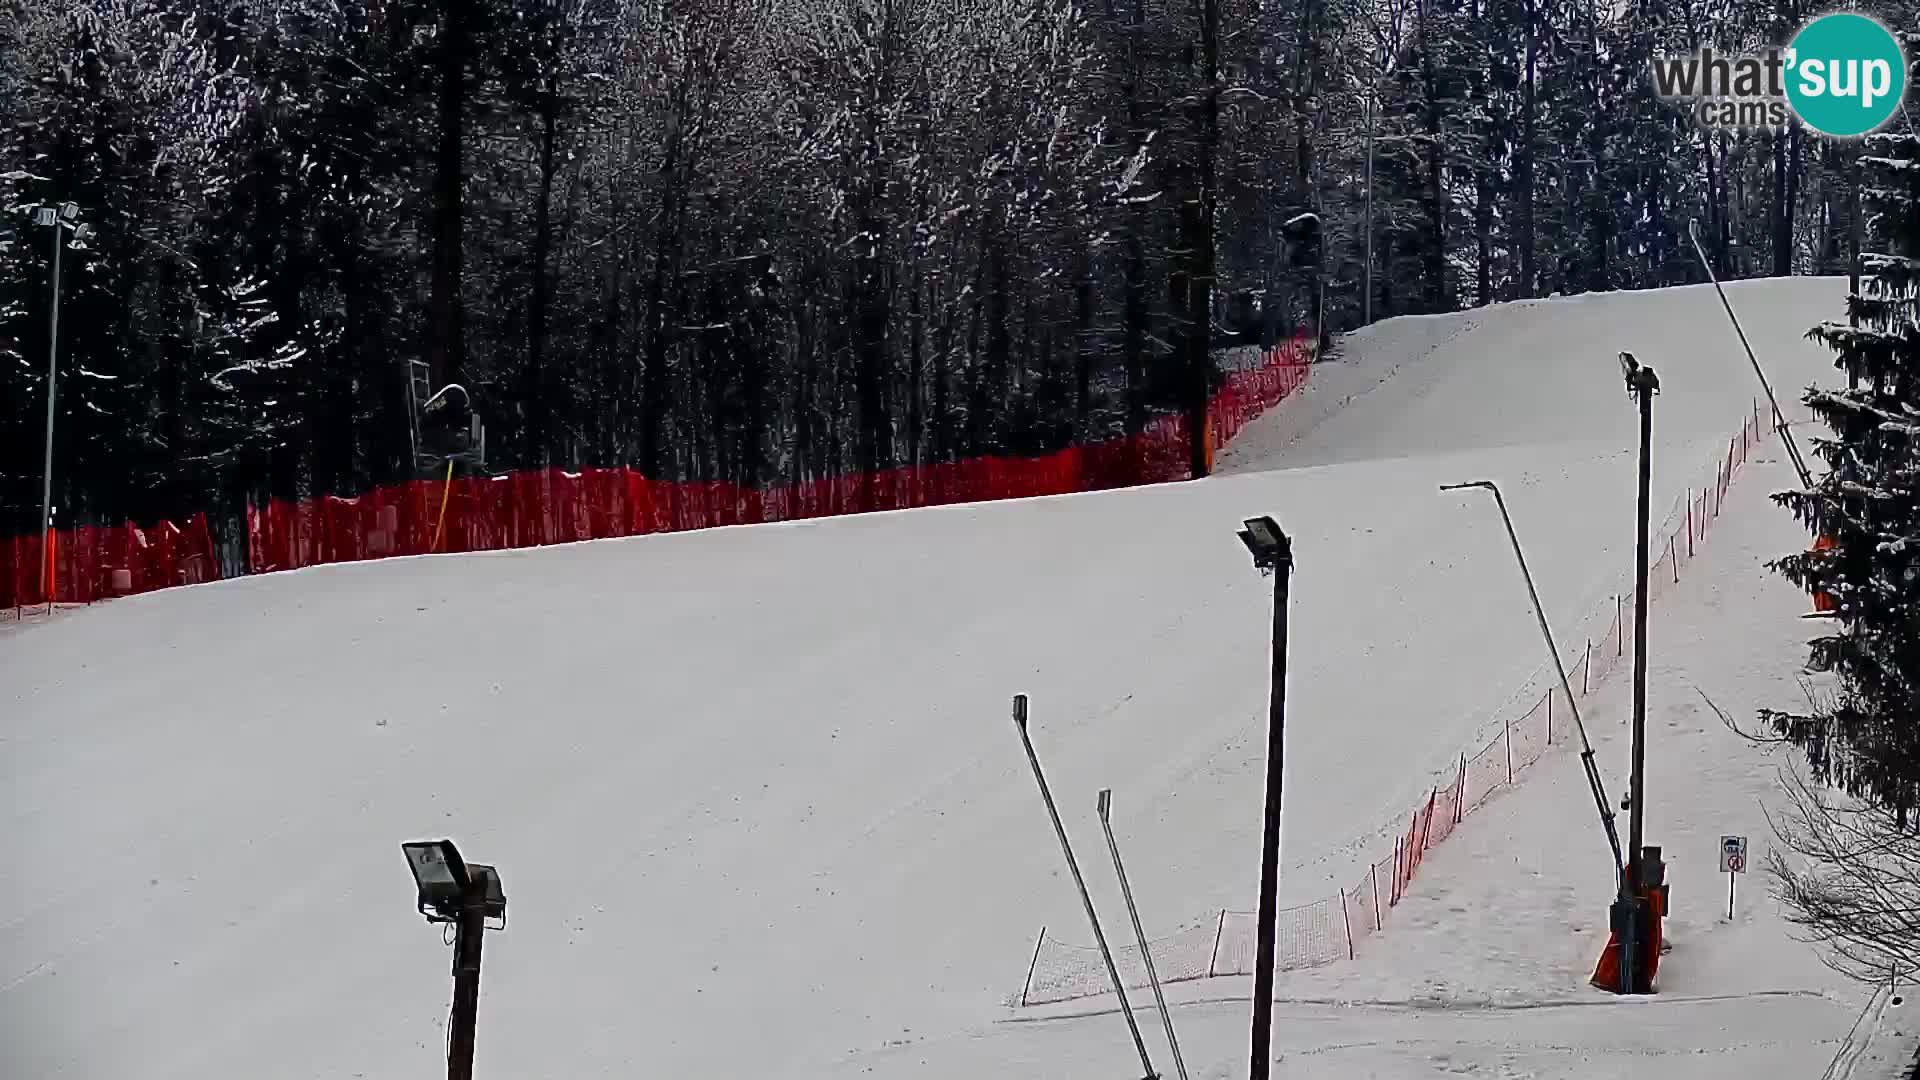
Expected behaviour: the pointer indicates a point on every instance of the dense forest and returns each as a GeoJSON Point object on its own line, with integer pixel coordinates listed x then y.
{"type": "Point", "coordinates": [770, 240]}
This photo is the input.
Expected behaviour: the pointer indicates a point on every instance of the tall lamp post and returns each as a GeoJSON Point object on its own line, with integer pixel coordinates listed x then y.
{"type": "Point", "coordinates": [1272, 553]}
{"type": "Point", "coordinates": [1635, 916]}
{"type": "Point", "coordinates": [452, 890]}
{"type": "Point", "coordinates": [60, 219]}
{"type": "Point", "coordinates": [1566, 686]}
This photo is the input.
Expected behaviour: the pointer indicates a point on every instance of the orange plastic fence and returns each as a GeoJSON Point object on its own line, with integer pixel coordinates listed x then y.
{"type": "Point", "coordinates": [1330, 929]}
{"type": "Point", "coordinates": [555, 506]}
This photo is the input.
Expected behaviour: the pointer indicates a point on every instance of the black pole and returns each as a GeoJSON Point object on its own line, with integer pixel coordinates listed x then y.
{"type": "Point", "coordinates": [1643, 384]}
{"type": "Point", "coordinates": [1270, 833]}
{"type": "Point", "coordinates": [470, 932]}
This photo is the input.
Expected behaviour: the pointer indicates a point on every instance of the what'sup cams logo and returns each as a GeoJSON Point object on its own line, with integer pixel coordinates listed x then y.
{"type": "Point", "coordinates": [1843, 75]}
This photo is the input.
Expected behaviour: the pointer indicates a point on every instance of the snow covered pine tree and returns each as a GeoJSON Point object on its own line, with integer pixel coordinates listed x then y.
{"type": "Point", "coordinates": [1865, 568]}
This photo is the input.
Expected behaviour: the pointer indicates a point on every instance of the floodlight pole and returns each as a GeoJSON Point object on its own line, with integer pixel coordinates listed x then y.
{"type": "Point", "coordinates": [1642, 384]}
{"type": "Point", "coordinates": [469, 932]}
{"type": "Point", "coordinates": [1280, 563]}
{"type": "Point", "coordinates": [53, 376]}
{"type": "Point", "coordinates": [1566, 686]}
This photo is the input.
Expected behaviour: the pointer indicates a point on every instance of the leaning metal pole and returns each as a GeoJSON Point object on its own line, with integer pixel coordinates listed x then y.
{"type": "Point", "coordinates": [1566, 686]}
{"type": "Point", "coordinates": [1139, 933]}
{"type": "Point", "coordinates": [1779, 418]}
{"type": "Point", "coordinates": [1099, 936]}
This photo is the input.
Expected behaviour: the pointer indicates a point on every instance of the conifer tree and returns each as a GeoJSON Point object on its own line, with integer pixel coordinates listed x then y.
{"type": "Point", "coordinates": [1867, 510]}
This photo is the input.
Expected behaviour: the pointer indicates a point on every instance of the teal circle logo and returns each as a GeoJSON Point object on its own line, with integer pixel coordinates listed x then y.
{"type": "Point", "coordinates": [1846, 74]}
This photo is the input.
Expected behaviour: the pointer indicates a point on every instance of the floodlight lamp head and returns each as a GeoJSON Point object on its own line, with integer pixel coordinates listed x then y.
{"type": "Point", "coordinates": [45, 215]}
{"type": "Point", "coordinates": [1105, 803]}
{"type": "Point", "coordinates": [1640, 378]}
{"type": "Point", "coordinates": [69, 211]}
{"type": "Point", "coordinates": [440, 875]}
{"type": "Point", "coordinates": [1271, 548]}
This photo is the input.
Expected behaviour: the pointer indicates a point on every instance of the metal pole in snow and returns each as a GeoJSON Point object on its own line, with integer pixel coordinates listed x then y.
{"type": "Point", "coordinates": [1099, 936]}
{"type": "Point", "coordinates": [1553, 651]}
{"type": "Point", "coordinates": [1779, 418]}
{"type": "Point", "coordinates": [1031, 965]}
{"type": "Point", "coordinates": [1643, 384]}
{"type": "Point", "coordinates": [1139, 934]}
{"type": "Point", "coordinates": [53, 380]}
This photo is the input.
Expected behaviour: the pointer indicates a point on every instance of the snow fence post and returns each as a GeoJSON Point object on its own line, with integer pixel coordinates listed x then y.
{"type": "Point", "coordinates": [1373, 874]}
{"type": "Point", "coordinates": [1586, 672]}
{"type": "Point", "coordinates": [1214, 956]}
{"type": "Point", "coordinates": [1426, 829]}
{"type": "Point", "coordinates": [1620, 640]}
{"type": "Point", "coordinates": [1689, 523]}
{"type": "Point", "coordinates": [1673, 559]}
{"type": "Point", "coordinates": [1506, 737]}
{"type": "Point", "coordinates": [1460, 791]}
{"type": "Point", "coordinates": [1393, 895]}
{"type": "Point", "coordinates": [1031, 964]}
{"type": "Point", "coordinates": [1346, 919]}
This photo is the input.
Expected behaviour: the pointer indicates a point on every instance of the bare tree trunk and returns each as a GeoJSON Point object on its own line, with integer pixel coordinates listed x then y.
{"type": "Point", "coordinates": [1782, 209]}
{"type": "Point", "coordinates": [1200, 281]}
{"type": "Point", "coordinates": [538, 436]}
{"type": "Point", "coordinates": [447, 353]}
{"type": "Point", "coordinates": [1523, 165]}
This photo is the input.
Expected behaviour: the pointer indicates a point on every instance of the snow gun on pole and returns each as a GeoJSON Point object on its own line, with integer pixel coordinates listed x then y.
{"type": "Point", "coordinates": [1566, 687]}
{"type": "Point", "coordinates": [1779, 418]}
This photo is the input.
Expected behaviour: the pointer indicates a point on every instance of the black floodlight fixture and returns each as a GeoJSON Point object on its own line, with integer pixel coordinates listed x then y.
{"type": "Point", "coordinates": [45, 215]}
{"type": "Point", "coordinates": [69, 212]}
{"type": "Point", "coordinates": [447, 882]}
{"type": "Point", "coordinates": [1270, 547]}
{"type": "Point", "coordinates": [440, 874]}
{"type": "Point", "coordinates": [1638, 376]}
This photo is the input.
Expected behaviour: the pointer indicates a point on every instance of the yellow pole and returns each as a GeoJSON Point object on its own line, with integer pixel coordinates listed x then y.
{"type": "Point", "coordinates": [445, 491]}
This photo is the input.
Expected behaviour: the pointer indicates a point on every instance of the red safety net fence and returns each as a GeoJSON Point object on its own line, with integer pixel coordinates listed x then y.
{"type": "Point", "coordinates": [1330, 929]}
{"type": "Point", "coordinates": [532, 508]}
{"type": "Point", "coordinates": [97, 561]}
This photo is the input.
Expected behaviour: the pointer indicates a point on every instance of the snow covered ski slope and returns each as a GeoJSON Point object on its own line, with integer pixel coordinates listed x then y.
{"type": "Point", "coordinates": [754, 792]}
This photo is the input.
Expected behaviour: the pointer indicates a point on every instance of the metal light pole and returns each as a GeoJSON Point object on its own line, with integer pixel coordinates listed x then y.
{"type": "Point", "coordinates": [1272, 553]}
{"type": "Point", "coordinates": [1566, 686]}
{"type": "Point", "coordinates": [1080, 882]}
{"type": "Point", "coordinates": [1105, 806]}
{"type": "Point", "coordinates": [60, 220]}
{"type": "Point", "coordinates": [452, 890]}
{"type": "Point", "coordinates": [1642, 384]}
{"type": "Point", "coordinates": [469, 934]}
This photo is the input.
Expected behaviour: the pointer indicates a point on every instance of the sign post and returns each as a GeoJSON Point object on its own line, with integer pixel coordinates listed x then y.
{"type": "Point", "coordinates": [1733, 860]}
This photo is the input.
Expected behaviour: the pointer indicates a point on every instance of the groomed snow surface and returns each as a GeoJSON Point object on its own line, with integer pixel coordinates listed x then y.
{"type": "Point", "coordinates": [760, 811]}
